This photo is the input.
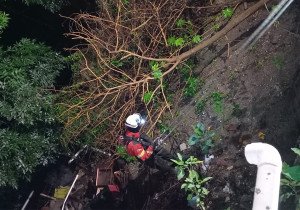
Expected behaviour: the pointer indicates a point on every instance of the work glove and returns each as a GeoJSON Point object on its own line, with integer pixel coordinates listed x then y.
{"type": "Point", "coordinates": [146, 139]}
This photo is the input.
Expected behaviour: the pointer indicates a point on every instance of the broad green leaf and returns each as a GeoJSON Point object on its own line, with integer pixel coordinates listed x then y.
{"type": "Point", "coordinates": [292, 172]}
{"type": "Point", "coordinates": [179, 156]}
{"type": "Point", "coordinates": [193, 140]}
{"type": "Point", "coordinates": [181, 174]}
{"type": "Point", "coordinates": [180, 163]}
{"type": "Point", "coordinates": [193, 174]}
{"type": "Point", "coordinates": [190, 196]}
{"type": "Point", "coordinates": [205, 191]}
{"type": "Point", "coordinates": [190, 186]}
{"type": "Point", "coordinates": [183, 185]}
{"type": "Point", "coordinates": [201, 126]}
{"type": "Point", "coordinates": [296, 150]}
{"type": "Point", "coordinates": [206, 179]}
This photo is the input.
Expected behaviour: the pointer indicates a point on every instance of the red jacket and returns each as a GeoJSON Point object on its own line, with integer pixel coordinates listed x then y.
{"type": "Point", "coordinates": [135, 148]}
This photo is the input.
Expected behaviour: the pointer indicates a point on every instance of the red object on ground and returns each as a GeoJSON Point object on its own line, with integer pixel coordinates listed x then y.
{"type": "Point", "coordinates": [113, 188]}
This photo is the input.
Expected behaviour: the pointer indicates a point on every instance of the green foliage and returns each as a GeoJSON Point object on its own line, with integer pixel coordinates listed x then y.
{"type": "Point", "coordinates": [216, 26]}
{"type": "Point", "coordinates": [74, 61]}
{"type": "Point", "coordinates": [185, 36]}
{"type": "Point", "coordinates": [22, 151]}
{"type": "Point", "coordinates": [156, 72]}
{"type": "Point", "coordinates": [147, 97]}
{"type": "Point", "coordinates": [291, 183]}
{"type": "Point", "coordinates": [236, 111]}
{"type": "Point", "coordinates": [192, 86]}
{"type": "Point", "coordinates": [51, 5]}
{"type": "Point", "coordinates": [197, 39]}
{"type": "Point", "coordinates": [117, 63]}
{"type": "Point", "coordinates": [193, 183]}
{"type": "Point", "coordinates": [121, 151]}
{"type": "Point", "coordinates": [200, 105]}
{"type": "Point", "coordinates": [4, 19]}
{"type": "Point", "coordinates": [163, 128]}
{"type": "Point", "coordinates": [218, 102]}
{"type": "Point", "coordinates": [227, 12]}
{"type": "Point", "coordinates": [175, 41]}
{"type": "Point", "coordinates": [125, 2]}
{"type": "Point", "coordinates": [185, 69]}
{"type": "Point", "coordinates": [278, 61]}
{"type": "Point", "coordinates": [181, 22]}
{"type": "Point", "coordinates": [202, 137]}
{"type": "Point", "coordinates": [27, 69]}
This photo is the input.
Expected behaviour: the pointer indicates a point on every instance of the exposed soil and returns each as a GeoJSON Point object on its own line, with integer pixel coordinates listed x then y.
{"type": "Point", "coordinates": [264, 84]}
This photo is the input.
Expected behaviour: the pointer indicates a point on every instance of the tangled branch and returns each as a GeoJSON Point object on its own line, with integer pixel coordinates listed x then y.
{"type": "Point", "coordinates": [127, 56]}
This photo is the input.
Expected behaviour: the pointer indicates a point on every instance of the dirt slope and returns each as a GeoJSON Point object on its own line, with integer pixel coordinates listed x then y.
{"type": "Point", "coordinates": [262, 94]}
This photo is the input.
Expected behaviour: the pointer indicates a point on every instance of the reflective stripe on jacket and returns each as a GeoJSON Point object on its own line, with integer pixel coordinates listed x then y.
{"type": "Point", "coordinates": [135, 148]}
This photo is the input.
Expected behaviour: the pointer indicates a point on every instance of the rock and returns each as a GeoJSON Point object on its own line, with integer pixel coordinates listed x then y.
{"type": "Point", "coordinates": [245, 201]}
{"type": "Point", "coordinates": [230, 167]}
{"type": "Point", "coordinates": [182, 146]}
{"type": "Point", "coordinates": [227, 189]}
{"type": "Point", "coordinates": [227, 199]}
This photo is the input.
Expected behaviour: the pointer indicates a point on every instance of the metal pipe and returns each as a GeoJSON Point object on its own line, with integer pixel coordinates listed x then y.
{"type": "Point", "coordinates": [27, 201]}
{"type": "Point", "coordinates": [273, 16]}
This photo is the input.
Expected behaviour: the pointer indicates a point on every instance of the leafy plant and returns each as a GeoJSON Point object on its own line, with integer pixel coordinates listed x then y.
{"type": "Point", "coordinates": [216, 26]}
{"type": "Point", "coordinates": [121, 151]}
{"type": "Point", "coordinates": [117, 63]}
{"type": "Point", "coordinates": [197, 39]}
{"type": "Point", "coordinates": [29, 135]}
{"type": "Point", "coordinates": [202, 137]}
{"type": "Point", "coordinates": [200, 106]}
{"type": "Point", "coordinates": [193, 183]}
{"type": "Point", "coordinates": [74, 61]}
{"type": "Point", "coordinates": [4, 19]}
{"type": "Point", "coordinates": [163, 128]}
{"type": "Point", "coordinates": [181, 22]}
{"type": "Point", "coordinates": [156, 72]}
{"type": "Point", "coordinates": [227, 12]}
{"type": "Point", "coordinates": [291, 182]}
{"type": "Point", "coordinates": [217, 99]}
{"type": "Point", "coordinates": [147, 97]}
{"type": "Point", "coordinates": [192, 86]}
{"type": "Point", "coordinates": [237, 111]}
{"type": "Point", "coordinates": [175, 41]}
{"type": "Point", "coordinates": [278, 61]}
{"type": "Point", "coordinates": [51, 5]}
{"type": "Point", "coordinates": [185, 69]}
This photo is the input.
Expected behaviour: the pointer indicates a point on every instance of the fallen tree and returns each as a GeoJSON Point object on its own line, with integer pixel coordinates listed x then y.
{"type": "Point", "coordinates": [131, 52]}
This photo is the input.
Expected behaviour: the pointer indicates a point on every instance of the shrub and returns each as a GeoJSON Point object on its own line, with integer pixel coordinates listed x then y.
{"type": "Point", "coordinates": [28, 127]}
{"type": "Point", "coordinates": [290, 183]}
{"type": "Point", "coordinates": [193, 182]}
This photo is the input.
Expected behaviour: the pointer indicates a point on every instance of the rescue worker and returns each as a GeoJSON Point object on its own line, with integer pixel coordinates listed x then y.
{"type": "Point", "coordinates": [142, 147]}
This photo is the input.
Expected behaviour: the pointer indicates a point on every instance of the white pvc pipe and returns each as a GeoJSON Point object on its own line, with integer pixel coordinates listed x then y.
{"type": "Point", "coordinates": [269, 164]}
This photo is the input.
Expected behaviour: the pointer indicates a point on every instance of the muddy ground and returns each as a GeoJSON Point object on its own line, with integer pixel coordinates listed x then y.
{"type": "Point", "coordinates": [262, 94]}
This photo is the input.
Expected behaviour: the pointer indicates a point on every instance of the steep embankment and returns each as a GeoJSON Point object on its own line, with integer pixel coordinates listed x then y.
{"type": "Point", "coordinates": [261, 103]}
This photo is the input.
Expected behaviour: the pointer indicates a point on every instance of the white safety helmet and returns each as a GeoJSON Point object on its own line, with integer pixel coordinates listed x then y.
{"type": "Point", "coordinates": [134, 121]}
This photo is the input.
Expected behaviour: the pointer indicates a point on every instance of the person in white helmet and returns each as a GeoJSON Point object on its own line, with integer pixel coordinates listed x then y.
{"type": "Point", "coordinates": [142, 147]}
